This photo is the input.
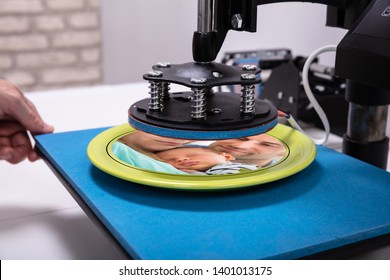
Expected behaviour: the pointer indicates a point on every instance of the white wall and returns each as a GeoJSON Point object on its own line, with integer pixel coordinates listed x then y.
{"type": "Point", "coordinates": [139, 33]}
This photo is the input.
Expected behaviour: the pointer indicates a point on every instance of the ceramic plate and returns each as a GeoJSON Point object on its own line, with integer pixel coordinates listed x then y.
{"type": "Point", "coordinates": [299, 153]}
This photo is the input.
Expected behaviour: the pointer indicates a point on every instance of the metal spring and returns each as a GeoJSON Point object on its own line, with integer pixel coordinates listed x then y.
{"type": "Point", "coordinates": [164, 91]}
{"type": "Point", "coordinates": [248, 99]}
{"type": "Point", "coordinates": [198, 103]}
{"type": "Point", "coordinates": [155, 96]}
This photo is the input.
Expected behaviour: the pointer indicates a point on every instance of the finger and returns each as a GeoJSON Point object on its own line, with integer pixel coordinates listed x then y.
{"type": "Point", "coordinates": [8, 131]}
{"type": "Point", "coordinates": [4, 141]}
{"type": "Point", "coordinates": [20, 108]}
{"type": "Point", "coordinates": [21, 147]}
{"type": "Point", "coordinates": [9, 128]}
{"type": "Point", "coordinates": [25, 112]}
{"type": "Point", "coordinates": [14, 155]}
{"type": "Point", "coordinates": [33, 156]}
{"type": "Point", "coordinates": [46, 127]}
{"type": "Point", "coordinates": [5, 145]}
{"type": "Point", "coordinates": [5, 153]}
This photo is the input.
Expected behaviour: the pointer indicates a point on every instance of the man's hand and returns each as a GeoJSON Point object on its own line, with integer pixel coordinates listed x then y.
{"type": "Point", "coordinates": [17, 116]}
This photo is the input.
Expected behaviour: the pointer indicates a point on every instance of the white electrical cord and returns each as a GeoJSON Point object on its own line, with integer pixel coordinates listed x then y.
{"type": "Point", "coordinates": [311, 97]}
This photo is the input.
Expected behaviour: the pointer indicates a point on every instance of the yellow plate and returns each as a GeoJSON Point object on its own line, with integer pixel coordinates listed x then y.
{"type": "Point", "coordinates": [300, 153]}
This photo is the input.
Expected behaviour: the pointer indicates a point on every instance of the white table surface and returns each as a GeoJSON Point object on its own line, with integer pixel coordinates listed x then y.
{"type": "Point", "coordinates": [38, 217]}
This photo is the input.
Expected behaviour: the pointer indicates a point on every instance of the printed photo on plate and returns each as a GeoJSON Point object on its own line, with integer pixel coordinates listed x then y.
{"type": "Point", "coordinates": [188, 157]}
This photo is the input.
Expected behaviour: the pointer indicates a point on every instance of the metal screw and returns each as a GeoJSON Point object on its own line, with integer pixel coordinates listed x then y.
{"type": "Point", "coordinates": [248, 76]}
{"type": "Point", "coordinates": [216, 111]}
{"type": "Point", "coordinates": [249, 67]}
{"type": "Point", "coordinates": [236, 21]}
{"type": "Point", "coordinates": [198, 80]}
{"type": "Point", "coordinates": [155, 73]}
{"type": "Point", "coordinates": [163, 64]}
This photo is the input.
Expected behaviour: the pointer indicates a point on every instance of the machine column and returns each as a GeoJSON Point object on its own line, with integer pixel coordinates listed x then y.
{"type": "Point", "coordinates": [367, 122]}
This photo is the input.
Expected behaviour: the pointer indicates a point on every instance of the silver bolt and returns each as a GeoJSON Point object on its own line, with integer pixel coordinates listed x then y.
{"type": "Point", "coordinates": [163, 64]}
{"type": "Point", "coordinates": [198, 80]}
{"type": "Point", "coordinates": [236, 21]}
{"type": "Point", "coordinates": [249, 67]}
{"type": "Point", "coordinates": [155, 73]}
{"type": "Point", "coordinates": [248, 76]}
{"type": "Point", "coordinates": [216, 111]}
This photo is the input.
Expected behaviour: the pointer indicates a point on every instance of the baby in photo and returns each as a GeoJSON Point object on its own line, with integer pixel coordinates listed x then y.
{"type": "Point", "coordinates": [202, 160]}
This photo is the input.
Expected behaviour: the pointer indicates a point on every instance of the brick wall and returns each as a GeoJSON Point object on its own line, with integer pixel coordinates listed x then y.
{"type": "Point", "coordinates": [46, 44]}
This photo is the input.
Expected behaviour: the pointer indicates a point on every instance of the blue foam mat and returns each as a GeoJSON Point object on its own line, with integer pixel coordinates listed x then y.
{"type": "Point", "coordinates": [334, 202]}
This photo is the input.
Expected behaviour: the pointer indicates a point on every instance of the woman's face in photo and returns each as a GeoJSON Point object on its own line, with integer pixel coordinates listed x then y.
{"type": "Point", "coordinates": [260, 146]}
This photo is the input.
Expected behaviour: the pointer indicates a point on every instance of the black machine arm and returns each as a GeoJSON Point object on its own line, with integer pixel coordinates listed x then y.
{"type": "Point", "coordinates": [362, 58]}
{"type": "Point", "coordinates": [217, 17]}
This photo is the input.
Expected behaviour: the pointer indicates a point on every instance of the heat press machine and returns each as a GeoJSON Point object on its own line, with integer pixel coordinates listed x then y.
{"type": "Point", "coordinates": [362, 58]}
{"type": "Point", "coordinates": [282, 85]}
{"type": "Point", "coordinates": [334, 203]}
